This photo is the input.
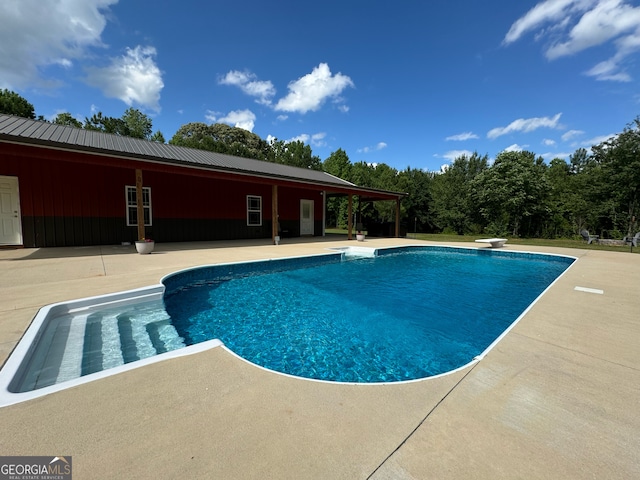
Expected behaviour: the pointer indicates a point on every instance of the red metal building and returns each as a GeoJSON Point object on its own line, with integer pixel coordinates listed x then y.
{"type": "Point", "coordinates": [63, 186]}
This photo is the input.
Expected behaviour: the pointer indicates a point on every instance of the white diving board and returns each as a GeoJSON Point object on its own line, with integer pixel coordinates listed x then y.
{"type": "Point", "coordinates": [495, 242]}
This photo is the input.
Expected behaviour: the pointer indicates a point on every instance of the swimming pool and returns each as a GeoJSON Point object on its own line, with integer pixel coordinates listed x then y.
{"type": "Point", "coordinates": [384, 318]}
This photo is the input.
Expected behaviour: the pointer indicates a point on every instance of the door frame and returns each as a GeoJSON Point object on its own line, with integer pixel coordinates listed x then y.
{"type": "Point", "coordinates": [15, 195]}
{"type": "Point", "coordinates": [304, 201]}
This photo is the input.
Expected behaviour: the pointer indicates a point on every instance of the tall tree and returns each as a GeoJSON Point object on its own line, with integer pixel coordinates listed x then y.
{"type": "Point", "coordinates": [67, 119]}
{"type": "Point", "coordinates": [417, 206]}
{"type": "Point", "coordinates": [620, 160]}
{"type": "Point", "coordinates": [295, 154]}
{"type": "Point", "coordinates": [101, 123]}
{"type": "Point", "coordinates": [13, 104]}
{"type": "Point", "coordinates": [222, 138]}
{"type": "Point", "coordinates": [512, 192]}
{"type": "Point", "coordinates": [339, 165]}
{"type": "Point", "coordinates": [453, 206]}
{"type": "Point", "coordinates": [138, 125]}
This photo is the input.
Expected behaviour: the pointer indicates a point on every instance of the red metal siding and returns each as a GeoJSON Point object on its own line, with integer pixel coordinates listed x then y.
{"type": "Point", "coordinates": [182, 196]}
{"type": "Point", "coordinates": [79, 199]}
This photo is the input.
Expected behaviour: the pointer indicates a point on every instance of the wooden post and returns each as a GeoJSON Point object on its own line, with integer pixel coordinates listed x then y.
{"type": "Point", "coordinates": [274, 213]}
{"type": "Point", "coordinates": [139, 204]}
{"type": "Point", "coordinates": [350, 219]}
{"type": "Point", "coordinates": [397, 217]}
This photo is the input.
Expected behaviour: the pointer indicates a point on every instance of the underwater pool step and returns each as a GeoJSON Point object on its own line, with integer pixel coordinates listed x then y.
{"type": "Point", "coordinates": [145, 337]}
{"type": "Point", "coordinates": [71, 362]}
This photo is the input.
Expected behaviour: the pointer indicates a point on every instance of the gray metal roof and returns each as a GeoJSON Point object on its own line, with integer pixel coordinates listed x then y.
{"type": "Point", "coordinates": [25, 131]}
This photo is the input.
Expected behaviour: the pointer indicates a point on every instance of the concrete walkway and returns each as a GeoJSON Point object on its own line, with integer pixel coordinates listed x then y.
{"type": "Point", "coordinates": [558, 397]}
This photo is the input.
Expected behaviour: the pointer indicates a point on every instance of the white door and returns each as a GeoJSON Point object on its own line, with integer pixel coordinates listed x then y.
{"type": "Point", "coordinates": [10, 225]}
{"type": "Point", "coordinates": [306, 217]}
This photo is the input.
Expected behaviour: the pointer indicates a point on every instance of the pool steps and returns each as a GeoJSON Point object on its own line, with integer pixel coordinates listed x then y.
{"type": "Point", "coordinates": [357, 252]}
{"type": "Point", "coordinates": [83, 343]}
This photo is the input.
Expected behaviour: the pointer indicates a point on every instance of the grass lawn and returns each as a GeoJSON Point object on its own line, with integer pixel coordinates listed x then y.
{"type": "Point", "coordinates": [559, 242]}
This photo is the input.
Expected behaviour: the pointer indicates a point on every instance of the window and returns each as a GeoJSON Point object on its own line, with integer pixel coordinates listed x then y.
{"type": "Point", "coordinates": [254, 211]}
{"type": "Point", "coordinates": [132, 206]}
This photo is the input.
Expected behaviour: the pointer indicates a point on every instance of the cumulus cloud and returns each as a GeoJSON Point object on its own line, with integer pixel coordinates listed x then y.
{"type": "Point", "coordinates": [244, 119]}
{"type": "Point", "coordinates": [548, 142]}
{"type": "Point", "coordinates": [525, 125]}
{"type": "Point", "coordinates": [317, 139]}
{"type": "Point", "coordinates": [451, 155]}
{"type": "Point", "coordinates": [514, 148]}
{"type": "Point", "coordinates": [375, 148]}
{"type": "Point", "coordinates": [262, 90]}
{"type": "Point", "coordinates": [36, 34]}
{"type": "Point", "coordinates": [462, 137]}
{"type": "Point", "coordinates": [571, 26]}
{"type": "Point", "coordinates": [133, 78]}
{"type": "Point", "coordinates": [310, 92]}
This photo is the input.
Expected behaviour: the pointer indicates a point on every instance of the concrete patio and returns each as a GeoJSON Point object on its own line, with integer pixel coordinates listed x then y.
{"type": "Point", "coordinates": [558, 397]}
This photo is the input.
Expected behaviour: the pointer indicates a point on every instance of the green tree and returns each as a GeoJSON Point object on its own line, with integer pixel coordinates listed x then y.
{"type": "Point", "coordinates": [101, 123]}
{"type": "Point", "coordinates": [417, 206]}
{"type": "Point", "coordinates": [512, 193]}
{"type": "Point", "coordinates": [222, 138]}
{"type": "Point", "coordinates": [157, 137]}
{"type": "Point", "coordinates": [339, 165]}
{"type": "Point", "coordinates": [453, 206]}
{"type": "Point", "coordinates": [67, 119]}
{"type": "Point", "coordinates": [620, 160]}
{"type": "Point", "coordinates": [194, 135]}
{"type": "Point", "coordinates": [294, 154]}
{"type": "Point", "coordinates": [13, 104]}
{"type": "Point", "coordinates": [138, 125]}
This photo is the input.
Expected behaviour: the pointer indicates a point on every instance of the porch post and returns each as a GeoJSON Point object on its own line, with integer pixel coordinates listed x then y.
{"type": "Point", "coordinates": [398, 217]}
{"type": "Point", "coordinates": [139, 204]}
{"type": "Point", "coordinates": [274, 213]}
{"type": "Point", "coordinates": [350, 220]}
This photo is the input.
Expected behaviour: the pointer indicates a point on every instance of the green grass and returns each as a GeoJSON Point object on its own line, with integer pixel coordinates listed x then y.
{"type": "Point", "coordinates": [543, 242]}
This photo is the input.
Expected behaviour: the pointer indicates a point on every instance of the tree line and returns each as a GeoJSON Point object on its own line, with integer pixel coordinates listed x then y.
{"type": "Point", "coordinates": [518, 194]}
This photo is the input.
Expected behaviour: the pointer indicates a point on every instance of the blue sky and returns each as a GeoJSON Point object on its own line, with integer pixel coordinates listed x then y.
{"type": "Point", "coordinates": [408, 83]}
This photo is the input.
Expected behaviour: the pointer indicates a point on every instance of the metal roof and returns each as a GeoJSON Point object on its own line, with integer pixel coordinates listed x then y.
{"type": "Point", "coordinates": [32, 132]}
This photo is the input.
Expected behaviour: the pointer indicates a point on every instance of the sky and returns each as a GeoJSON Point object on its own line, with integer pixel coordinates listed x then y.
{"type": "Point", "coordinates": [409, 83]}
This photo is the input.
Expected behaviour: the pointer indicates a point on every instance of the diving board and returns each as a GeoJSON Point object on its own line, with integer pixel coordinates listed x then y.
{"type": "Point", "coordinates": [495, 242]}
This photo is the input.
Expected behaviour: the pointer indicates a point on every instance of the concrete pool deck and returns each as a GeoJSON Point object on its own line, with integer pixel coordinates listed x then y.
{"type": "Point", "coordinates": [558, 397]}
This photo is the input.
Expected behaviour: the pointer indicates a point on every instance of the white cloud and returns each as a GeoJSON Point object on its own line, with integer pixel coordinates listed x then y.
{"type": "Point", "coordinates": [316, 140]}
{"type": "Point", "coordinates": [597, 140]}
{"type": "Point", "coordinates": [462, 137]}
{"type": "Point", "coordinates": [571, 134]}
{"type": "Point", "coordinates": [543, 12]}
{"type": "Point", "coordinates": [550, 155]}
{"type": "Point", "coordinates": [571, 26]}
{"type": "Point", "coordinates": [36, 34]}
{"type": "Point", "coordinates": [132, 78]}
{"type": "Point", "coordinates": [378, 146]}
{"type": "Point", "coordinates": [548, 142]}
{"type": "Point", "coordinates": [308, 93]}
{"type": "Point", "coordinates": [525, 125]}
{"type": "Point", "coordinates": [451, 155]}
{"type": "Point", "coordinates": [244, 119]}
{"type": "Point", "coordinates": [514, 148]}
{"type": "Point", "coordinates": [248, 83]}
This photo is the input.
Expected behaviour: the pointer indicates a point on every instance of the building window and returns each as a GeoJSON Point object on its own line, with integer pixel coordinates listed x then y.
{"type": "Point", "coordinates": [254, 211]}
{"type": "Point", "coordinates": [132, 206]}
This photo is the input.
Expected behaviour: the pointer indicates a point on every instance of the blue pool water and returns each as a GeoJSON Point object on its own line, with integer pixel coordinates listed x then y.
{"type": "Point", "coordinates": [406, 314]}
